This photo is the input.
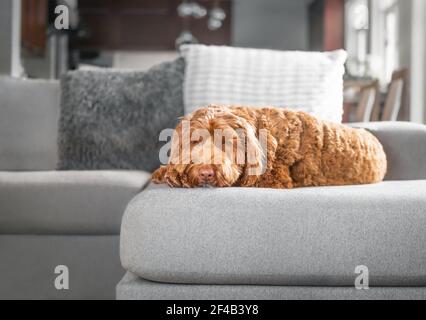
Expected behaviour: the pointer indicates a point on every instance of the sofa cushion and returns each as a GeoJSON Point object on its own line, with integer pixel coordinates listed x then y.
{"type": "Point", "coordinates": [70, 202]}
{"type": "Point", "coordinates": [308, 236]}
{"type": "Point", "coordinates": [29, 111]}
{"type": "Point", "coordinates": [306, 81]}
{"type": "Point", "coordinates": [28, 262]}
{"type": "Point", "coordinates": [405, 147]}
{"type": "Point", "coordinates": [112, 119]}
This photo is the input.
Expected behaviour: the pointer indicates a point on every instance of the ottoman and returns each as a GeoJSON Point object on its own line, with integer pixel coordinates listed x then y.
{"type": "Point", "coordinates": [238, 243]}
{"type": "Point", "coordinates": [310, 243]}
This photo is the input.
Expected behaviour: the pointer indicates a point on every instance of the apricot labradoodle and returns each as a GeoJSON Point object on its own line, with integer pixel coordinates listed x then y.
{"type": "Point", "coordinates": [269, 148]}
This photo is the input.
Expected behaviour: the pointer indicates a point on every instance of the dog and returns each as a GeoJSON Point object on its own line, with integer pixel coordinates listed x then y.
{"type": "Point", "coordinates": [268, 148]}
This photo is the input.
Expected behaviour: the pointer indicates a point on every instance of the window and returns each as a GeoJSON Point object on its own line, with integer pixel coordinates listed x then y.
{"type": "Point", "coordinates": [391, 51]}
{"type": "Point", "coordinates": [372, 38]}
{"type": "Point", "coordinates": [357, 37]}
{"type": "Point", "coordinates": [384, 39]}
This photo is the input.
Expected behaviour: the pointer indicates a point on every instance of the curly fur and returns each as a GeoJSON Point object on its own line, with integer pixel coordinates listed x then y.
{"type": "Point", "coordinates": [301, 151]}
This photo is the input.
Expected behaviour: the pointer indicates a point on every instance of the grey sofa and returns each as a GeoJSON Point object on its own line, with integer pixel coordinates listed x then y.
{"type": "Point", "coordinates": [194, 244]}
{"type": "Point", "coordinates": [50, 218]}
{"type": "Point", "coordinates": [241, 243]}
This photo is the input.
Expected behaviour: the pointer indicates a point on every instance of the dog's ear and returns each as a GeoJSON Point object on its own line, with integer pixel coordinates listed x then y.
{"type": "Point", "coordinates": [261, 148]}
{"type": "Point", "coordinates": [159, 175]}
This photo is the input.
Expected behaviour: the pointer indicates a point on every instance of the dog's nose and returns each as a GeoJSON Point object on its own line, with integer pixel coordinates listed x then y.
{"type": "Point", "coordinates": [206, 173]}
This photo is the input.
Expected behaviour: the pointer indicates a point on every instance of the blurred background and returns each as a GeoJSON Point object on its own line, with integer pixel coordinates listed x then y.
{"type": "Point", "coordinates": [385, 40]}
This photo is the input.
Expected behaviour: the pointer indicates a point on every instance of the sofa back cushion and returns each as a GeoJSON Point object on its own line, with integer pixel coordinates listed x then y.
{"type": "Point", "coordinates": [405, 147]}
{"type": "Point", "coordinates": [306, 81]}
{"type": "Point", "coordinates": [112, 119]}
{"type": "Point", "coordinates": [29, 111]}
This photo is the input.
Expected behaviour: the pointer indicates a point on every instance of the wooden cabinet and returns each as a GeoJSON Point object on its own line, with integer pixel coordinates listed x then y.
{"type": "Point", "coordinates": [143, 25]}
{"type": "Point", "coordinates": [34, 25]}
{"type": "Point", "coordinates": [326, 30]}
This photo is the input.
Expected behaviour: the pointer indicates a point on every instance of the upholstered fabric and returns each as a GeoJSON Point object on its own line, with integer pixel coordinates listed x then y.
{"type": "Point", "coordinates": [132, 287]}
{"type": "Point", "coordinates": [113, 119]}
{"type": "Point", "coordinates": [29, 111]}
{"type": "Point", "coordinates": [67, 202]}
{"type": "Point", "coordinates": [28, 262]}
{"type": "Point", "coordinates": [312, 236]}
{"type": "Point", "coordinates": [307, 81]}
{"type": "Point", "coordinates": [405, 147]}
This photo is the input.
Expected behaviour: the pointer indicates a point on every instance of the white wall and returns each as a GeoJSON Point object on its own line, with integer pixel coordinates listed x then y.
{"type": "Point", "coordinates": [5, 36]}
{"type": "Point", "coordinates": [405, 30]}
{"type": "Point", "coordinates": [142, 60]}
{"type": "Point", "coordinates": [418, 61]}
{"type": "Point", "coordinates": [16, 68]}
{"type": "Point", "coordinates": [412, 24]}
{"type": "Point", "coordinates": [422, 35]}
{"type": "Point", "coordinates": [274, 24]}
{"type": "Point", "coordinates": [413, 53]}
{"type": "Point", "coordinates": [412, 49]}
{"type": "Point", "coordinates": [10, 37]}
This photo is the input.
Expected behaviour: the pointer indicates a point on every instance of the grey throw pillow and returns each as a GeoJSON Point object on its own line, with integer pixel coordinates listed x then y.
{"type": "Point", "coordinates": [112, 119]}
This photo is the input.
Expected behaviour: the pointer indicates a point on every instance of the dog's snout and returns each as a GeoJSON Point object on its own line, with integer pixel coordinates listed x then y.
{"type": "Point", "coordinates": [206, 173]}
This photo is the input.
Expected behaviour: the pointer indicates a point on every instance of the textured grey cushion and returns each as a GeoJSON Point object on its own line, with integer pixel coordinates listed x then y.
{"type": "Point", "coordinates": [311, 236]}
{"type": "Point", "coordinates": [405, 147]}
{"type": "Point", "coordinates": [67, 202]}
{"type": "Point", "coordinates": [133, 288]}
{"type": "Point", "coordinates": [27, 265]}
{"type": "Point", "coordinates": [29, 111]}
{"type": "Point", "coordinates": [112, 119]}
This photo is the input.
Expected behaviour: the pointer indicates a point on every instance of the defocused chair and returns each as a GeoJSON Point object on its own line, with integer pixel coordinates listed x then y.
{"type": "Point", "coordinates": [368, 101]}
{"type": "Point", "coordinates": [397, 95]}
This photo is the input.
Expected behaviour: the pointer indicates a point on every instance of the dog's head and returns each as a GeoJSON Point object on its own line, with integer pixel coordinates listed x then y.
{"type": "Point", "coordinates": [214, 147]}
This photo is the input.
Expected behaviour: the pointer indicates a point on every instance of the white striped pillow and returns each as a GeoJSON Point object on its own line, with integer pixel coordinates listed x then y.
{"type": "Point", "coordinates": [307, 81]}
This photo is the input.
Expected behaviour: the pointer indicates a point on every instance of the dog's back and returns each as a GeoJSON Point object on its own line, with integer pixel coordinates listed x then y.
{"type": "Point", "coordinates": [318, 153]}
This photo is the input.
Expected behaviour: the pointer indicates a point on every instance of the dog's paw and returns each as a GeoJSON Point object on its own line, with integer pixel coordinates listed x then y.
{"type": "Point", "coordinates": [159, 175]}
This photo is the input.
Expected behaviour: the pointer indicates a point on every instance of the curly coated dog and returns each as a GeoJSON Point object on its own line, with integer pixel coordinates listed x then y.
{"type": "Point", "coordinates": [222, 146]}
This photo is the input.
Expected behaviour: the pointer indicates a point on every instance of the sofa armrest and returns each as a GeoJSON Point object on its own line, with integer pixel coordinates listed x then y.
{"type": "Point", "coordinates": [405, 147]}
{"type": "Point", "coordinates": [66, 202]}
